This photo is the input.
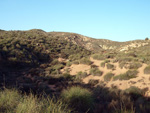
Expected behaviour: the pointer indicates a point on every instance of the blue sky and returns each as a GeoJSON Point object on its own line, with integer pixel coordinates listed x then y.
{"type": "Point", "coordinates": [117, 20]}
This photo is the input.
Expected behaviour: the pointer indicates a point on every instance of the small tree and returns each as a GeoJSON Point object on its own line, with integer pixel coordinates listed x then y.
{"type": "Point", "coordinates": [146, 38]}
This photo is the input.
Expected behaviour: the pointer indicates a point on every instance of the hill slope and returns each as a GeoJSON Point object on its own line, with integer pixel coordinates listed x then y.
{"type": "Point", "coordinates": [117, 73]}
{"type": "Point", "coordinates": [99, 44]}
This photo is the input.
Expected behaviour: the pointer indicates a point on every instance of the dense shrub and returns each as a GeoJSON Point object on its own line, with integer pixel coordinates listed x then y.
{"type": "Point", "coordinates": [102, 64]}
{"type": "Point", "coordinates": [33, 48]}
{"type": "Point", "coordinates": [85, 61]}
{"type": "Point", "coordinates": [67, 76]}
{"type": "Point", "coordinates": [130, 65]}
{"type": "Point", "coordinates": [9, 99]}
{"type": "Point", "coordinates": [68, 64]}
{"type": "Point", "coordinates": [147, 70]}
{"type": "Point", "coordinates": [110, 66]}
{"type": "Point", "coordinates": [95, 72]}
{"type": "Point", "coordinates": [107, 61]}
{"type": "Point", "coordinates": [78, 98]}
{"type": "Point", "coordinates": [126, 76]}
{"type": "Point", "coordinates": [13, 102]}
{"type": "Point", "coordinates": [122, 64]}
{"type": "Point", "coordinates": [93, 82]}
{"type": "Point", "coordinates": [58, 66]}
{"type": "Point", "coordinates": [29, 104]}
{"type": "Point", "coordinates": [108, 76]}
{"type": "Point", "coordinates": [76, 62]}
{"type": "Point", "coordinates": [80, 75]}
{"type": "Point", "coordinates": [135, 65]}
{"type": "Point", "coordinates": [75, 57]}
{"type": "Point", "coordinates": [94, 66]}
{"type": "Point", "coordinates": [134, 90]}
{"type": "Point", "coordinates": [98, 57]}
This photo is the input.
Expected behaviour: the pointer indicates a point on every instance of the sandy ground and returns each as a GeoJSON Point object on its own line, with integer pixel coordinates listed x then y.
{"type": "Point", "coordinates": [141, 81]}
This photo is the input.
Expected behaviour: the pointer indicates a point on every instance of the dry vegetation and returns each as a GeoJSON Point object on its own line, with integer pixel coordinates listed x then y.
{"type": "Point", "coordinates": [39, 65]}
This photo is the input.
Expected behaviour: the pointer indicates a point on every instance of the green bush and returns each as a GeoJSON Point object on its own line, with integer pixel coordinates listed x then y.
{"type": "Point", "coordinates": [75, 57]}
{"type": "Point", "coordinates": [94, 66]}
{"type": "Point", "coordinates": [67, 76]}
{"type": "Point", "coordinates": [76, 62]}
{"type": "Point", "coordinates": [134, 65]}
{"type": "Point", "coordinates": [103, 64]}
{"type": "Point", "coordinates": [122, 65]}
{"type": "Point", "coordinates": [68, 64]}
{"type": "Point", "coordinates": [78, 98]}
{"type": "Point", "coordinates": [126, 76]}
{"type": "Point", "coordinates": [147, 70]}
{"type": "Point", "coordinates": [55, 62]}
{"type": "Point", "coordinates": [107, 61]}
{"type": "Point", "coordinates": [81, 75]}
{"type": "Point", "coordinates": [51, 105]}
{"type": "Point", "coordinates": [58, 66]}
{"type": "Point", "coordinates": [29, 104]}
{"type": "Point", "coordinates": [110, 66]}
{"type": "Point", "coordinates": [98, 57]}
{"type": "Point", "coordinates": [85, 61]}
{"type": "Point", "coordinates": [34, 48]}
{"type": "Point", "coordinates": [93, 82]}
{"type": "Point", "coordinates": [108, 76]}
{"type": "Point", "coordinates": [134, 90]}
{"type": "Point", "coordinates": [11, 101]}
{"type": "Point", "coordinates": [95, 72]}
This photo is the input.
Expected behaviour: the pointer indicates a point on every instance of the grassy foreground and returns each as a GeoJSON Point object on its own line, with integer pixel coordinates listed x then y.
{"type": "Point", "coordinates": [13, 101]}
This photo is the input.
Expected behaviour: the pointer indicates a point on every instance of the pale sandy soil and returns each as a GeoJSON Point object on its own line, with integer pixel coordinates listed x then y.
{"type": "Point", "coordinates": [141, 81]}
{"type": "Point", "coordinates": [77, 68]}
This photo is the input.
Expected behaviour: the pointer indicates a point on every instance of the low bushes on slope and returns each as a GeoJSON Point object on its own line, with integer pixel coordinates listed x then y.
{"type": "Point", "coordinates": [85, 61]}
{"type": "Point", "coordinates": [95, 72]}
{"type": "Point", "coordinates": [103, 56]}
{"type": "Point", "coordinates": [80, 75]}
{"type": "Point", "coordinates": [32, 47]}
{"type": "Point", "coordinates": [98, 57]}
{"type": "Point", "coordinates": [104, 62]}
{"type": "Point", "coordinates": [108, 76]}
{"type": "Point", "coordinates": [110, 66]}
{"type": "Point", "coordinates": [130, 65]}
{"type": "Point", "coordinates": [147, 70]}
{"type": "Point", "coordinates": [93, 82]}
{"type": "Point", "coordinates": [126, 76]}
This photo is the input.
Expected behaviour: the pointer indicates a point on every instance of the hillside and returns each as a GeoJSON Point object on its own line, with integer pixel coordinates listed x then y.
{"type": "Point", "coordinates": [99, 44]}
{"type": "Point", "coordinates": [73, 73]}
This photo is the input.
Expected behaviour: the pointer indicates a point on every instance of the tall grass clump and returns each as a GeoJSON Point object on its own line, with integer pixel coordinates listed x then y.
{"type": "Point", "coordinates": [126, 76]}
{"type": "Point", "coordinates": [55, 106]}
{"type": "Point", "coordinates": [108, 76]}
{"type": "Point", "coordinates": [134, 91]}
{"type": "Point", "coordinates": [135, 65]}
{"type": "Point", "coordinates": [11, 101]}
{"type": "Point", "coordinates": [102, 64]}
{"type": "Point", "coordinates": [29, 104]}
{"type": "Point", "coordinates": [78, 98]}
{"type": "Point", "coordinates": [110, 66]}
{"type": "Point", "coordinates": [95, 72]}
{"type": "Point", "coordinates": [147, 70]}
{"type": "Point", "coordinates": [98, 57]}
{"type": "Point", "coordinates": [81, 75]}
{"type": "Point", "coordinates": [85, 61]}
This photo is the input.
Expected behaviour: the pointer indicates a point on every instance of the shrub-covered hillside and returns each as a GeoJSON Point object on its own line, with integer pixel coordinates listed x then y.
{"type": "Point", "coordinates": [35, 47]}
